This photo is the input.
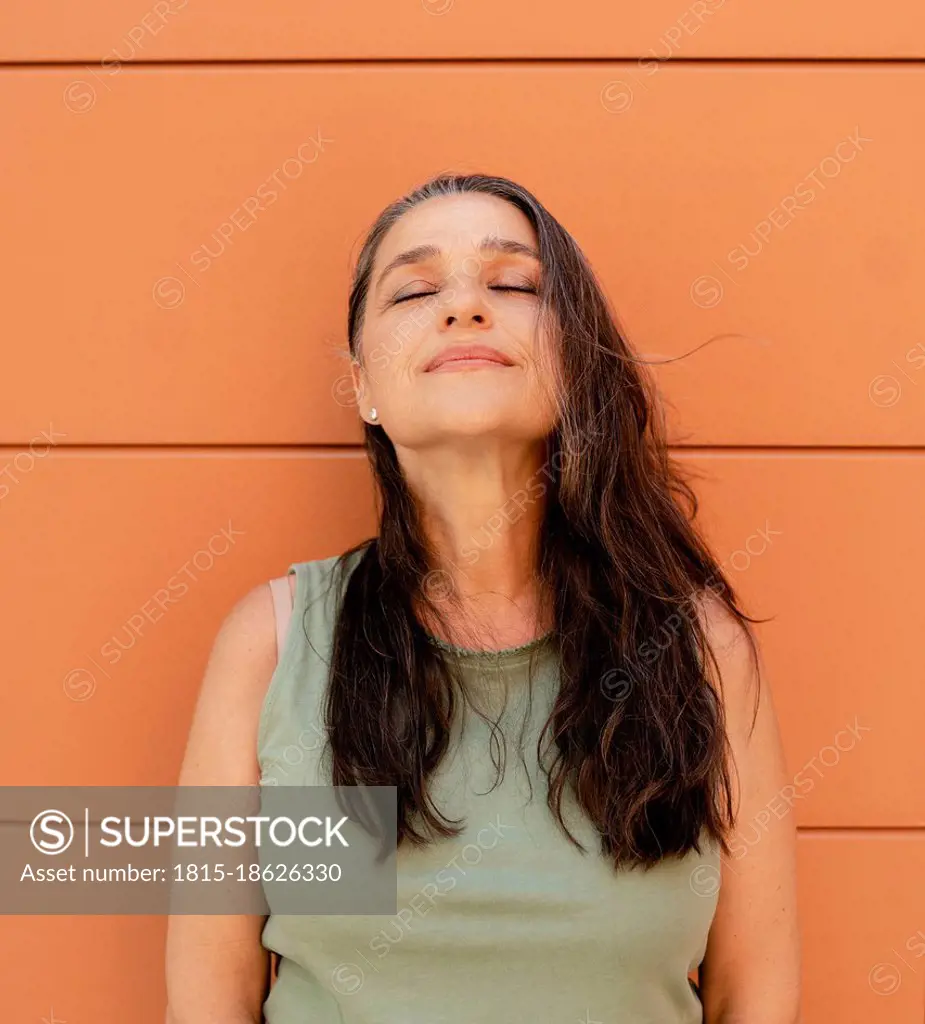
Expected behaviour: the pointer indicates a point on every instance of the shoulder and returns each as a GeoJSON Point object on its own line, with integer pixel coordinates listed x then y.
{"type": "Point", "coordinates": [220, 746]}
{"type": "Point", "coordinates": [315, 569]}
{"type": "Point", "coordinates": [738, 660]}
{"type": "Point", "coordinates": [307, 582]}
{"type": "Point", "coordinates": [224, 734]}
{"type": "Point", "coordinates": [254, 614]}
{"type": "Point", "coordinates": [325, 578]}
{"type": "Point", "coordinates": [726, 634]}
{"type": "Point", "coordinates": [250, 625]}
{"type": "Point", "coordinates": [244, 648]}
{"type": "Point", "coordinates": [749, 715]}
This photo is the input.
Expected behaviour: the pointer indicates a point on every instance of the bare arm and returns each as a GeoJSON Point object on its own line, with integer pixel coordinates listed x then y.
{"type": "Point", "coordinates": [217, 969]}
{"type": "Point", "coordinates": [751, 971]}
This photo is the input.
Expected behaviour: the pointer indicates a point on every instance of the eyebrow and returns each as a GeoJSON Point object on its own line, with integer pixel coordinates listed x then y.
{"type": "Point", "coordinates": [490, 243]}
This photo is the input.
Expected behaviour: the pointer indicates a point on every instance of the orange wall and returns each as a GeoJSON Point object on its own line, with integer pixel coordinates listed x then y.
{"type": "Point", "coordinates": [155, 396]}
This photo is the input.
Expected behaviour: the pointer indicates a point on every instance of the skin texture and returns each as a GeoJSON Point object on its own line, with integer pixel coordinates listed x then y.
{"type": "Point", "coordinates": [467, 439]}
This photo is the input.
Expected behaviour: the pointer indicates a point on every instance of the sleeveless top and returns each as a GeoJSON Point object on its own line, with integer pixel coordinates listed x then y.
{"type": "Point", "coordinates": [508, 922]}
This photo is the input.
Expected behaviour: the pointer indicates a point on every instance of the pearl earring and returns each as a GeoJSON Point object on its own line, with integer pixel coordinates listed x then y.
{"type": "Point", "coordinates": [373, 415]}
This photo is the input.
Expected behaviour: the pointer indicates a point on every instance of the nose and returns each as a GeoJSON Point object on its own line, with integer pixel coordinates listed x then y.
{"type": "Point", "coordinates": [467, 309]}
{"type": "Point", "coordinates": [475, 318]}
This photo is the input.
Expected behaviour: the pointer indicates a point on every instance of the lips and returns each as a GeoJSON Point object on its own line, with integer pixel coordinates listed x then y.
{"type": "Point", "coordinates": [472, 354]}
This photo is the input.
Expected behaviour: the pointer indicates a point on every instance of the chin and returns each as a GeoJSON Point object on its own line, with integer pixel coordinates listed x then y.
{"type": "Point", "coordinates": [470, 416]}
{"type": "Point", "coordinates": [470, 420]}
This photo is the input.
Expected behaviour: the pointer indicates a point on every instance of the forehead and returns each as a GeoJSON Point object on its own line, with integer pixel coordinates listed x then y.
{"type": "Point", "coordinates": [456, 223]}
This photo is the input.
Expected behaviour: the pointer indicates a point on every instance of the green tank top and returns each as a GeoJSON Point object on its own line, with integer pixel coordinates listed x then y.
{"type": "Point", "coordinates": [508, 922]}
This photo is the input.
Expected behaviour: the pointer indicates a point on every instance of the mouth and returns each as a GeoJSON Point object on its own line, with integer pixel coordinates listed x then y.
{"type": "Point", "coordinates": [460, 357]}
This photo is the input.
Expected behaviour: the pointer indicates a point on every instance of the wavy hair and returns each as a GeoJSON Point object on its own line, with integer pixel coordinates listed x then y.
{"type": "Point", "coordinates": [625, 570]}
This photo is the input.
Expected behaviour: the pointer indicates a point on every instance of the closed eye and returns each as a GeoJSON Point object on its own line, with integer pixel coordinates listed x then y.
{"type": "Point", "coordinates": [527, 289]}
{"type": "Point", "coordinates": [413, 295]}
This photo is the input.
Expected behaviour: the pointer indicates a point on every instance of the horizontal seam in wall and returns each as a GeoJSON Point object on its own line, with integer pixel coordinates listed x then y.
{"type": "Point", "coordinates": [856, 831]}
{"type": "Point", "coordinates": [193, 62]}
{"type": "Point", "coordinates": [333, 448]}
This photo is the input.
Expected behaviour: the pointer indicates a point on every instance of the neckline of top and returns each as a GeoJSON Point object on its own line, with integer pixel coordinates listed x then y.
{"type": "Point", "coordinates": [509, 656]}
{"type": "Point", "coordinates": [504, 655]}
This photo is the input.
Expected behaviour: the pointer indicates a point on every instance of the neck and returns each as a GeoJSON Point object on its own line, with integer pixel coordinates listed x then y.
{"type": "Point", "coordinates": [482, 505]}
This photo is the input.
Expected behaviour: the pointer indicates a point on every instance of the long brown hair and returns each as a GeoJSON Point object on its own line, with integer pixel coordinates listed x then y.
{"type": "Point", "coordinates": [637, 728]}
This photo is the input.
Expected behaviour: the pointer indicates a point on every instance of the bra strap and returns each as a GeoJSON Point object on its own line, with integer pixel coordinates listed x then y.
{"type": "Point", "coordinates": [282, 606]}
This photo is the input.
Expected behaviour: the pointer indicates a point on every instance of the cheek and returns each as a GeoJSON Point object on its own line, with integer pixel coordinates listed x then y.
{"type": "Point", "coordinates": [522, 322]}
{"type": "Point", "coordinates": [387, 363]}
{"type": "Point", "coordinates": [381, 350]}
{"type": "Point", "coordinates": [537, 345]}
{"type": "Point", "coordinates": [385, 357]}
{"type": "Point", "coordinates": [545, 370]}
{"type": "Point", "coordinates": [396, 338]}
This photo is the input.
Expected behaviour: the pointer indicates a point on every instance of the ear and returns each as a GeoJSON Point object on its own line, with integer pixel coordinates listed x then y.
{"type": "Point", "coordinates": [361, 388]}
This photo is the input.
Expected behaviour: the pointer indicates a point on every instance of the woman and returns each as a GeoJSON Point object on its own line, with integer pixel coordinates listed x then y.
{"type": "Point", "coordinates": [536, 585]}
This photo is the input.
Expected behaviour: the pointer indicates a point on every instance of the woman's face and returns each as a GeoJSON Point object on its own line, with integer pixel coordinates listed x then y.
{"type": "Point", "coordinates": [454, 273]}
